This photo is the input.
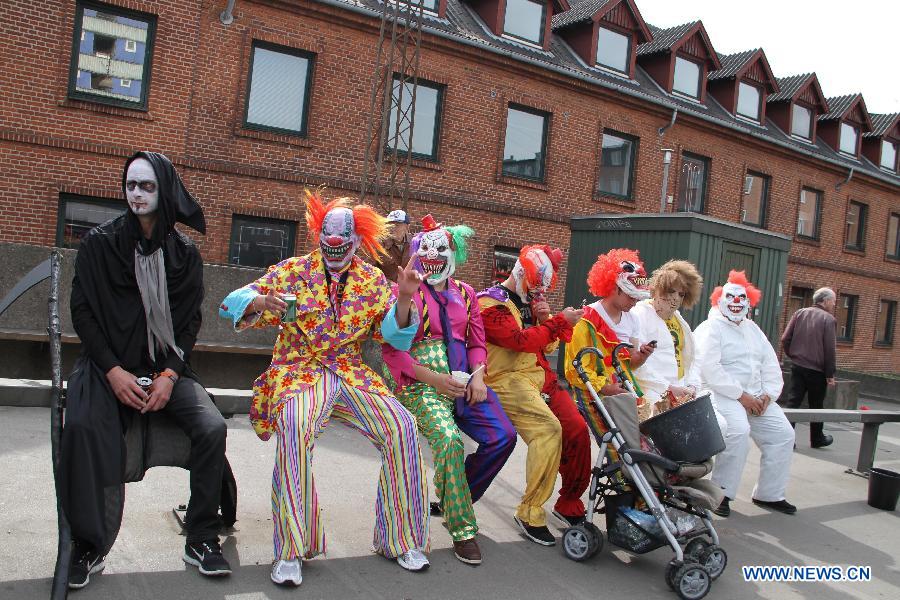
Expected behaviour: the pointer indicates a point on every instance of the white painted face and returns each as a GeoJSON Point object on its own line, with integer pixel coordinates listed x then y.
{"type": "Point", "coordinates": [142, 187]}
{"type": "Point", "coordinates": [734, 303]}
{"type": "Point", "coordinates": [537, 288]}
{"type": "Point", "coordinates": [436, 259]}
{"type": "Point", "coordinates": [338, 240]}
{"type": "Point", "coordinates": [633, 280]}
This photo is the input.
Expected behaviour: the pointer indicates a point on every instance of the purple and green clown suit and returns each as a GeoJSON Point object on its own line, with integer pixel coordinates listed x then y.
{"type": "Point", "coordinates": [459, 480]}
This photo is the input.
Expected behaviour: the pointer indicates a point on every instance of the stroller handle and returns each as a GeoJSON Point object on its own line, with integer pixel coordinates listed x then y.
{"type": "Point", "coordinates": [582, 374]}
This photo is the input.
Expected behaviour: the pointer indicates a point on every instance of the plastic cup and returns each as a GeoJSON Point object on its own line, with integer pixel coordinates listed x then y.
{"type": "Point", "coordinates": [461, 376]}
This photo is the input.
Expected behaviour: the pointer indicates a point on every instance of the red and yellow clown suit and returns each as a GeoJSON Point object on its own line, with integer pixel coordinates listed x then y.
{"type": "Point", "coordinates": [620, 268]}
{"type": "Point", "coordinates": [541, 411]}
{"type": "Point", "coordinates": [317, 375]}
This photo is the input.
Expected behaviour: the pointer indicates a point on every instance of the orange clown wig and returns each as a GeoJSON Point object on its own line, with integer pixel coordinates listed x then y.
{"type": "Point", "coordinates": [370, 226]}
{"type": "Point", "coordinates": [738, 278]}
{"type": "Point", "coordinates": [602, 277]}
{"type": "Point", "coordinates": [532, 275]}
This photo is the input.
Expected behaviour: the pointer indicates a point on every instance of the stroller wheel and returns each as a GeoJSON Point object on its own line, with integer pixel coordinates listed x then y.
{"type": "Point", "coordinates": [714, 559]}
{"type": "Point", "coordinates": [596, 535]}
{"type": "Point", "coordinates": [578, 543]}
{"type": "Point", "coordinates": [695, 547]}
{"type": "Point", "coordinates": [671, 569]}
{"type": "Point", "coordinates": [692, 581]}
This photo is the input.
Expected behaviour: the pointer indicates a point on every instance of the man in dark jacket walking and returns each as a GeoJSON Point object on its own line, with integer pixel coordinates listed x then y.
{"type": "Point", "coordinates": [809, 341]}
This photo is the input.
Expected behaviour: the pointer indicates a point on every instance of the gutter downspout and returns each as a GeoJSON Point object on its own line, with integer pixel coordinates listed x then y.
{"type": "Point", "coordinates": [662, 130]}
{"type": "Point", "coordinates": [344, 5]}
{"type": "Point", "coordinates": [227, 15]}
{"type": "Point", "coordinates": [840, 184]}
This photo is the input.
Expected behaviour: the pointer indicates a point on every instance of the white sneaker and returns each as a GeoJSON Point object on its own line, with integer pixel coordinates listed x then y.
{"type": "Point", "coordinates": [285, 571]}
{"type": "Point", "coordinates": [413, 560]}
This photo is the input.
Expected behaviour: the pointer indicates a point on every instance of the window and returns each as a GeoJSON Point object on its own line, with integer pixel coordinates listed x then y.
{"type": "Point", "coordinates": [888, 156]}
{"type": "Point", "coordinates": [808, 215]}
{"type": "Point", "coordinates": [278, 89]}
{"type": "Point", "coordinates": [893, 237]}
{"type": "Point", "coordinates": [257, 242]}
{"type": "Point", "coordinates": [109, 45]}
{"type": "Point", "coordinates": [884, 323]}
{"type": "Point", "coordinates": [692, 183]}
{"type": "Point", "coordinates": [801, 121]}
{"type": "Point", "coordinates": [687, 77]}
{"type": "Point", "coordinates": [848, 139]}
{"type": "Point", "coordinates": [756, 198]}
{"type": "Point", "coordinates": [79, 214]}
{"type": "Point", "coordinates": [800, 297]}
{"type": "Point", "coordinates": [749, 99]}
{"type": "Point", "coordinates": [845, 312]}
{"type": "Point", "coordinates": [525, 20]}
{"type": "Point", "coordinates": [427, 116]}
{"type": "Point", "coordinates": [504, 260]}
{"type": "Point", "coordinates": [125, 83]}
{"type": "Point", "coordinates": [613, 50]}
{"type": "Point", "coordinates": [428, 5]}
{"type": "Point", "coordinates": [526, 143]}
{"type": "Point", "coordinates": [617, 164]}
{"type": "Point", "coordinates": [856, 226]}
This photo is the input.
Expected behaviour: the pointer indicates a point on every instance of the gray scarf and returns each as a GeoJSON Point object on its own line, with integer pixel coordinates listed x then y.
{"type": "Point", "coordinates": [150, 271]}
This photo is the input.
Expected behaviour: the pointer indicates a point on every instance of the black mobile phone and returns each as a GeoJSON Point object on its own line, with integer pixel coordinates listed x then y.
{"type": "Point", "coordinates": [652, 343]}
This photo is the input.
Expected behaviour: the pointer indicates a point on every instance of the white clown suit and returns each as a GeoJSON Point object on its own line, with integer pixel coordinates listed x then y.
{"type": "Point", "coordinates": [735, 357]}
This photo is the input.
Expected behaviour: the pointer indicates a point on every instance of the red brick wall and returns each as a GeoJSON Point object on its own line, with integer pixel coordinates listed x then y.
{"type": "Point", "coordinates": [49, 144]}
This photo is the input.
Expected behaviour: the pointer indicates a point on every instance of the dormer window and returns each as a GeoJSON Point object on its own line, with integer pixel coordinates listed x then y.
{"type": "Point", "coordinates": [525, 20]}
{"type": "Point", "coordinates": [801, 122]}
{"type": "Point", "coordinates": [613, 50]}
{"type": "Point", "coordinates": [889, 156]}
{"type": "Point", "coordinates": [687, 77]}
{"type": "Point", "coordinates": [749, 100]}
{"type": "Point", "coordinates": [849, 138]}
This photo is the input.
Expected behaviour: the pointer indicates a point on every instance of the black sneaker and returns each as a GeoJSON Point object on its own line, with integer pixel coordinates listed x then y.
{"type": "Point", "coordinates": [85, 562]}
{"type": "Point", "coordinates": [781, 506]}
{"type": "Point", "coordinates": [825, 440]}
{"type": "Point", "coordinates": [435, 508]}
{"type": "Point", "coordinates": [569, 521]}
{"type": "Point", "coordinates": [207, 556]}
{"type": "Point", "coordinates": [539, 535]}
{"type": "Point", "coordinates": [724, 509]}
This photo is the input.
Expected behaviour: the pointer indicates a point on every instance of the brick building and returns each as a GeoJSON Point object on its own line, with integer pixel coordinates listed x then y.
{"type": "Point", "coordinates": [528, 112]}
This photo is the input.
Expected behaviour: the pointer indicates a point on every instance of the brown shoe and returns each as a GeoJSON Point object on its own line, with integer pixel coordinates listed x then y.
{"type": "Point", "coordinates": [468, 551]}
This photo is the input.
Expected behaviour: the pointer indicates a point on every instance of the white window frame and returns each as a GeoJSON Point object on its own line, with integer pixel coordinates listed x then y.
{"type": "Point", "coordinates": [699, 92]}
{"type": "Point", "coordinates": [759, 94]}
{"type": "Point", "coordinates": [893, 166]}
{"type": "Point", "coordinates": [625, 70]}
{"type": "Point", "coordinates": [809, 129]}
{"type": "Point", "coordinates": [130, 46]}
{"type": "Point", "coordinates": [841, 139]}
{"type": "Point", "coordinates": [125, 83]}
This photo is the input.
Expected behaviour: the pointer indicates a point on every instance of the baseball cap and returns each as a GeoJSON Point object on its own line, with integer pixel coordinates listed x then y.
{"type": "Point", "coordinates": [398, 216]}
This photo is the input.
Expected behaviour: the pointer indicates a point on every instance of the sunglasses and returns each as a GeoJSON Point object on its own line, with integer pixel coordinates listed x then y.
{"type": "Point", "coordinates": [147, 186]}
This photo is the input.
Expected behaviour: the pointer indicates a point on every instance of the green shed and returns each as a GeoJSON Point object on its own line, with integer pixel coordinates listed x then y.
{"type": "Point", "coordinates": [715, 246]}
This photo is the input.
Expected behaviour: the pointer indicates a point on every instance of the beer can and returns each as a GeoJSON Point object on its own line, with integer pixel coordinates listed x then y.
{"type": "Point", "coordinates": [144, 382]}
{"type": "Point", "coordinates": [290, 313]}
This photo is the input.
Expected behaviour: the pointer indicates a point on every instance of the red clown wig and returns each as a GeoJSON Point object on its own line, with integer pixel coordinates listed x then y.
{"type": "Point", "coordinates": [370, 226]}
{"type": "Point", "coordinates": [531, 272]}
{"type": "Point", "coordinates": [738, 278]}
{"type": "Point", "coordinates": [601, 279]}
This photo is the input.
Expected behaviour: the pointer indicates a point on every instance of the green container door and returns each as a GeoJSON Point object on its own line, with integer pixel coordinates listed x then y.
{"type": "Point", "coordinates": [713, 245]}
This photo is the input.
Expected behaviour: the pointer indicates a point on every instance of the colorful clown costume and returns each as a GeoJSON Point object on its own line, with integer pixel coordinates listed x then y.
{"type": "Point", "coordinates": [317, 375]}
{"type": "Point", "coordinates": [543, 413]}
{"type": "Point", "coordinates": [459, 480]}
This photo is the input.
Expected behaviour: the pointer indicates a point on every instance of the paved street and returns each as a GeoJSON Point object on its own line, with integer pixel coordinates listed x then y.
{"type": "Point", "coordinates": [834, 526]}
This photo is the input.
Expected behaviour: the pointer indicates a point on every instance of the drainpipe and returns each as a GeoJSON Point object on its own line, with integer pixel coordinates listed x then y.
{"type": "Point", "coordinates": [840, 184]}
{"type": "Point", "coordinates": [667, 160]}
{"type": "Point", "coordinates": [662, 130]}
{"type": "Point", "coordinates": [227, 16]}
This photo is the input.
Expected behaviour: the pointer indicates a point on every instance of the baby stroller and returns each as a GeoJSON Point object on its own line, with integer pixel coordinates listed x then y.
{"type": "Point", "coordinates": [649, 499]}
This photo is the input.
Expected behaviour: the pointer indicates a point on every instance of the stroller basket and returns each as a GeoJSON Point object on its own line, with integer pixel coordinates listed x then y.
{"type": "Point", "coordinates": [625, 531]}
{"type": "Point", "coordinates": [687, 433]}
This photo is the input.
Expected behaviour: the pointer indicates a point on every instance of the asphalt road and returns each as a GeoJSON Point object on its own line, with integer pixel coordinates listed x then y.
{"type": "Point", "coordinates": [834, 526]}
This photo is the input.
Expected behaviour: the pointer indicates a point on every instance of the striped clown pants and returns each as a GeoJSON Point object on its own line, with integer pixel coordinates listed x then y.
{"type": "Point", "coordinates": [401, 508]}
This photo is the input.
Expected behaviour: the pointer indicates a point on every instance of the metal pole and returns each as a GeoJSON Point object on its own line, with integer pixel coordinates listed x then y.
{"type": "Point", "coordinates": [667, 160]}
{"type": "Point", "coordinates": [64, 549]}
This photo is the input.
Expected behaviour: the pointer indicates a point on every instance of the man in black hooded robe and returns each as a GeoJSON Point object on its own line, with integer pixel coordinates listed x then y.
{"type": "Point", "coordinates": [136, 300]}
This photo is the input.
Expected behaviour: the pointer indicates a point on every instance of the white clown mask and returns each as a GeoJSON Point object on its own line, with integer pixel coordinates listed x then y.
{"type": "Point", "coordinates": [338, 239]}
{"type": "Point", "coordinates": [633, 281]}
{"type": "Point", "coordinates": [141, 187]}
{"type": "Point", "coordinates": [537, 289]}
{"type": "Point", "coordinates": [436, 257]}
{"type": "Point", "coordinates": [734, 303]}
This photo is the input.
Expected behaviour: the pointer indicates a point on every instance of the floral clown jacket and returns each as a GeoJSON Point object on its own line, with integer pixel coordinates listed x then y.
{"type": "Point", "coordinates": [323, 336]}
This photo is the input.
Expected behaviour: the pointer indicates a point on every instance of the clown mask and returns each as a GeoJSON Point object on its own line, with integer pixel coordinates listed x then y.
{"type": "Point", "coordinates": [338, 240]}
{"type": "Point", "coordinates": [632, 280]}
{"type": "Point", "coordinates": [734, 303]}
{"type": "Point", "coordinates": [436, 257]}
{"type": "Point", "coordinates": [141, 187]}
{"type": "Point", "coordinates": [537, 286]}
